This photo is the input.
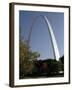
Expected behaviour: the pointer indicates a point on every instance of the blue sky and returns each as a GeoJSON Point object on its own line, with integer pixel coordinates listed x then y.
{"type": "Point", "coordinates": [40, 38]}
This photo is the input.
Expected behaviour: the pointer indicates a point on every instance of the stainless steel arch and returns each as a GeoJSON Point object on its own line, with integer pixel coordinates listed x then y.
{"type": "Point", "coordinates": [52, 36]}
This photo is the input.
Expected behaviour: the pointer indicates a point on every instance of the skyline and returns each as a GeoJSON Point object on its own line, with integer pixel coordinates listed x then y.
{"type": "Point", "coordinates": [40, 38]}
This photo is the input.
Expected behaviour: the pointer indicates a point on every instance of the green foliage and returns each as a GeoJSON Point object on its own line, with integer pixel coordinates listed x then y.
{"type": "Point", "coordinates": [54, 67]}
{"type": "Point", "coordinates": [27, 58]}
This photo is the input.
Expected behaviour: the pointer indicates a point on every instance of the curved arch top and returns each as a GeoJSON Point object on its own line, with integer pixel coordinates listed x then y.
{"type": "Point", "coordinates": [52, 36]}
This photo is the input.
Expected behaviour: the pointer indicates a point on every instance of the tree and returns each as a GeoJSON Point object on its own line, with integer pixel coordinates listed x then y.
{"type": "Point", "coordinates": [27, 58]}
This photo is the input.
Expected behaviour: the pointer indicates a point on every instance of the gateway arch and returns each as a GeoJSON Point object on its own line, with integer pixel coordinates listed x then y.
{"type": "Point", "coordinates": [51, 33]}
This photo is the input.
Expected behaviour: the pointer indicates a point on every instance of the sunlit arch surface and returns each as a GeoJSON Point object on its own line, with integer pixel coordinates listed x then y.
{"type": "Point", "coordinates": [52, 36]}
